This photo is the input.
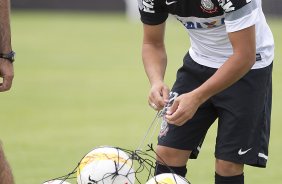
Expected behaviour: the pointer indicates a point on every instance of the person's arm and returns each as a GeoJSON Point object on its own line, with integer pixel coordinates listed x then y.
{"type": "Point", "coordinates": [155, 60]}
{"type": "Point", "coordinates": [6, 67]}
{"type": "Point", "coordinates": [243, 58]}
{"type": "Point", "coordinates": [6, 176]}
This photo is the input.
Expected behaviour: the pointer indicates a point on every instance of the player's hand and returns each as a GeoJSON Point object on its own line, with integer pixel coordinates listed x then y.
{"type": "Point", "coordinates": [158, 96]}
{"type": "Point", "coordinates": [183, 108]}
{"type": "Point", "coordinates": [7, 73]}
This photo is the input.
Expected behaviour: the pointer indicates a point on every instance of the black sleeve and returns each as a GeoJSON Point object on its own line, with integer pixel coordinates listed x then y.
{"type": "Point", "coordinates": [153, 12]}
{"type": "Point", "coordinates": [232, 5]}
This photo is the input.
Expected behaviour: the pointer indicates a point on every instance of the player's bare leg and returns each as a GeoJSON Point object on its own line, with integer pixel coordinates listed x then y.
{"type": "Point", "coordinates": [174, 158]}
{"type": "Point", "coordinates": [171, 156]}
{"type": "Point", "coordinates": [225, 168]}
{"type": "Point", "coordinates": [6, 176]}
{"type": "Point", "coordinates": [228, 172]}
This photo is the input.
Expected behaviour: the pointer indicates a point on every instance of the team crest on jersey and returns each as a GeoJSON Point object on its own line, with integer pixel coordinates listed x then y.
{"type": "Point", "coordinates": [208, 6]}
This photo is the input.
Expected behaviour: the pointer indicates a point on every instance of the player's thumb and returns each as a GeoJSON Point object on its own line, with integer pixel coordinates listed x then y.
{"type": "Point", "coordinates": [173, 107]}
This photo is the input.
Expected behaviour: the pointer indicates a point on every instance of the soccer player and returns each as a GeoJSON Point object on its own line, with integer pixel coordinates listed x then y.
{"type": "Point", "coordinates": [6, 73]}
{"type": "Point", "coordinates": [226, 74]}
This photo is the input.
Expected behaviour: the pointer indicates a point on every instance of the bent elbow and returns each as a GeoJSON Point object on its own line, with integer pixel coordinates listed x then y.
{"type": "Point", "coordinates": [248, 57]}
{"type": "Point", "coordinates": [251, 58]}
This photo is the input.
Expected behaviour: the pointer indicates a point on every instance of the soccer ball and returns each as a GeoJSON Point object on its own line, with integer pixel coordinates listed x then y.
{"type": "Point", "coordinates": [106, 165]}
{"type": "Point", "coordinates": [56, 182]}
{"type": "Point", "coordinates": [167, 178]}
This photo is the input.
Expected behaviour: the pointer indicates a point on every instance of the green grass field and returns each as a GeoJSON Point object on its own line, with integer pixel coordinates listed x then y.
{"type": "Point", "coordinates": [79, 83]}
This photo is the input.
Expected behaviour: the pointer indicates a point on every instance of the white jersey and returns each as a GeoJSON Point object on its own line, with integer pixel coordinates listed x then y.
{"type": "Point", "coordinates": [209, 22]}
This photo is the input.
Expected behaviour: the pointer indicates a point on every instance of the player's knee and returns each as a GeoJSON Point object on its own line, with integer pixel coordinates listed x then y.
{"type": "Point", "coordinates": [226, 168]}
{"type": "Point", "coordinates": [171, 156]}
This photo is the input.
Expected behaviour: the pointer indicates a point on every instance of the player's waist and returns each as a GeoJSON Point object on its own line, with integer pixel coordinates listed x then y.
{"type": "Point", "coordinates": [216, 60]}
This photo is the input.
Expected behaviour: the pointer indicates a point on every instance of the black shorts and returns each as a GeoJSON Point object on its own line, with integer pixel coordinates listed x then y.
{"type": "Point", "coordinates": [243, 111]}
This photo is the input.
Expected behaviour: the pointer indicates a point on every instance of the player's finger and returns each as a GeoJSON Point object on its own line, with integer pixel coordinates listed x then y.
{"type": "Point", "coordinates": [153, 103]}
{"type": "Point", "coordinates": [176, 118]}
{"type": "Point", "coordinates": [165, 94]}
{"type": "Point", "coordinates": [180, 121]}
{"type": "Point", "coordinates": [157, 99]}
{"type": "Point", "coordinates": [7, 83]}
{"type": "Point", "coordinates": [173, 107]}
{"type": "Point", "coordinates": [176, 114]}
{"type": "Point", "coordinates": [154, 106]}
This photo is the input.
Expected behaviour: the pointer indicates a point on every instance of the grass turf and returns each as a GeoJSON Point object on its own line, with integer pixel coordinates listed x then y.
{"type": "Point", "coordinates": [79, 83]}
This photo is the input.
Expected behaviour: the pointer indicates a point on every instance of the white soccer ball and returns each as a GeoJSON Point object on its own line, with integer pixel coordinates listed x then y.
{"type": "Point", "coordinates": [167, 178]}
{"type": "Point", "coordinates": [56, 182]}
{"type": "Point", "coordinates": [106, 165]}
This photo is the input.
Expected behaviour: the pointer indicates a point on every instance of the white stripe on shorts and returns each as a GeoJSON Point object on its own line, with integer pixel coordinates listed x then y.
{"type": "Point", "coordinates": [263, 156]}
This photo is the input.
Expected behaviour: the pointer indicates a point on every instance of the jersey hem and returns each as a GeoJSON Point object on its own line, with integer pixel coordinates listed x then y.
{"type": "Point", "coordinates": [212, 64]}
